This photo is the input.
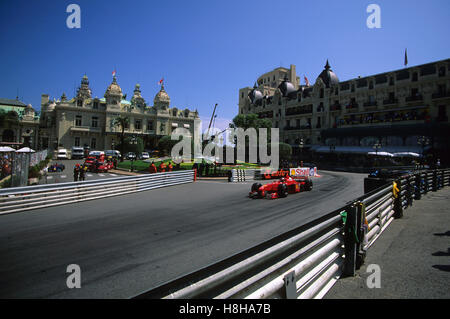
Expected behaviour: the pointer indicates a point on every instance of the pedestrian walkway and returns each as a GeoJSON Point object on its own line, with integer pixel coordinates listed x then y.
{"type": "Point", "coordinates": [412, 253]}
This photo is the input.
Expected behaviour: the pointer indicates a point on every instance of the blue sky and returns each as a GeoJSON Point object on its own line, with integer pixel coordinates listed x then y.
{"type": "Point", "coordinates": [205, 49]}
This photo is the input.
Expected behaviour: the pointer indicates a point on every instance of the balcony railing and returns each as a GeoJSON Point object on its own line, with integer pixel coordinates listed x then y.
{"type": "Point", "coordinates": [440, 95]}
{"type": "Point", "coordinates": [390, 101]}
{"type": "Point", "coordinates": [301, 127]}
{"type": "Point", "coordinates": [370, 103]}
{"type": "Point", "coordinates": [352, 106]}
{"type": "Point", "coordinates": [417, 97]}
{"type": "Point", "coordinates": [86, 129]}
{"type": "Point", "coordinates": [307, 109]}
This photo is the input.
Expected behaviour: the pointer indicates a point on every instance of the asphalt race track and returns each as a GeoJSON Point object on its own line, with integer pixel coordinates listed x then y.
{"type": "Point", "coordinates": [127, 244]}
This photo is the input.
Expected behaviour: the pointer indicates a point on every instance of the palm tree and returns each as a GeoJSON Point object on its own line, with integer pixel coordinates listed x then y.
{"type": "Point", "coordinates": [122, 122]}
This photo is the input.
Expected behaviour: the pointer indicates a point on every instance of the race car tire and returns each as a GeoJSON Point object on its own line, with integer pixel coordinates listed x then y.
{"type": "Point", "coordinates": [255, 187]}
{"type": "Point", "coordinates": [309, 185]}
{"type": "Point", "coordinates": [282, 190]}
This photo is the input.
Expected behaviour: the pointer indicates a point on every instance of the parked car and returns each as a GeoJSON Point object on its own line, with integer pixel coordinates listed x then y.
{"type": "Point", "coordinates": [130, 156]}
{"type": "Point", "coordinates": [112, 153]}
{"type": "Point", "coordinates": [62, 154]}
{"type": "Point", "coordinates": [145, 155]}
{"type": "Point", "coordinates": [77, 152]}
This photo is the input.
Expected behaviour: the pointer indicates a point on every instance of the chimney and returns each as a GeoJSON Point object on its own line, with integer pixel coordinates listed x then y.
{"type": "Point", "coordinates": [293, 76]}
{"type": "Point", "coordinates": [44, 99]}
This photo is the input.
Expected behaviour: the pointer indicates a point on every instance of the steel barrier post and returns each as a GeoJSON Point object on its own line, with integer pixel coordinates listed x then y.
{"type": "Point", "coordinates": [434, 187]}
{"type": "Point", "coordinates": [361, 231]}
{"type": "Point", "coordinates": [350, 240]}
{"type": "Point", "coordinates": [409, 191]}
{"type": "Point", "coordinates": [418, 185]}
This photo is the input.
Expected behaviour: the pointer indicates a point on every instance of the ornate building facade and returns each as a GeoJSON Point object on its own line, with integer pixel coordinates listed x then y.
{"type": "Point", "coordinates": [19, 124]}
{"type": "Point", "coordinates": [88, 121]}
{"type": "Point", "coordinates": [395, 109]}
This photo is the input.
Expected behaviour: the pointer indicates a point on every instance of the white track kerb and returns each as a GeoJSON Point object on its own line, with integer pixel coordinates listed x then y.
{"type": "Point", "coordinates": [19, 199]}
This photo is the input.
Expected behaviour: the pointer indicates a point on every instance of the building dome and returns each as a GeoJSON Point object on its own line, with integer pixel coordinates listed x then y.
{"type": "Point", "coordinates": [114, 88]}
{"type": "Point", "coordinates": [328, 77]}
{"type": "Point", "coordinates": [255, 96]}
{"type": "Point", "coordinates": [287, 88]}
{"type": "Point", "coordinates": [85, 80]}
{"type": "Point", "coordinates": [162, 97]}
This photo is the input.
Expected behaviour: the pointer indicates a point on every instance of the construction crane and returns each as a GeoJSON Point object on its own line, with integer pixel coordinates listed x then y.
{"type": "Point", "coordinates": [212, 117]}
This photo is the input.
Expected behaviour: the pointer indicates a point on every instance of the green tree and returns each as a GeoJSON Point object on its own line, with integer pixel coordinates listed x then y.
{"type": "Point", "coordinates": [165, 144]}
{"type": "Point", "coordinates": [129, 145]}
{"type": "Point", "coordinates": [284, 150]}
{"type": "Point", "coordinates": [246, 121]}
{"type": "Point", "coordinates": [251, 120]}
{"type": "Point", "coordinates": [122, 122]}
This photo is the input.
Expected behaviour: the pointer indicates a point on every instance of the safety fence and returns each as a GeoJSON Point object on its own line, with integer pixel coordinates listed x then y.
{"type": "Point", "coordinates": [242, 175]}
{"type": "Point", "coordinates": [19, 199]}
{"type": "Point", "coordinates": [305, 262]}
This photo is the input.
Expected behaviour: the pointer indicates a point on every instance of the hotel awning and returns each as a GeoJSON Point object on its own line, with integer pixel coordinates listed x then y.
{"type": "Point", "coordinates": [366, 149]}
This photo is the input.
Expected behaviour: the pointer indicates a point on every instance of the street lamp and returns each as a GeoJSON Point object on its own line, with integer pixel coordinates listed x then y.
{"type": "Point", "coordinates": [423, 141]}
{"type": "Point", "coordinates": [133, 142]}
{"type": "Point", "coordinates": [301, 144]}
{"type": "Point", "coordinates": [332, 148]}
{"type": "Point", "coordinates": [376, 147]}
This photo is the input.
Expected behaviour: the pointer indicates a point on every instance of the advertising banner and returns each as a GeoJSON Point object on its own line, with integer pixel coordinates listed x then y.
{"type": "Point", "coordinates": [303, 171]}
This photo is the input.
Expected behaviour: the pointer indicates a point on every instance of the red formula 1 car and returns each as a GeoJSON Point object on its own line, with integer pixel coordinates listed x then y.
{"type": "Point", "coordinates": [281, 188]}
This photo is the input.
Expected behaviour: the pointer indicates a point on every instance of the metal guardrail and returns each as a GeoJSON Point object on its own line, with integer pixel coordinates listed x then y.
{"type": "Point", "coordinates": [242, 175]}
{"type": "Point", "coordinates": [307, 261]}
{"type": "Point", "coordinates": [19, 199]}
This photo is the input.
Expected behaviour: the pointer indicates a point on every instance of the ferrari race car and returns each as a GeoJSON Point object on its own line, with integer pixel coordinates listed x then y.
{"type": "Point", "coordinates": [281, 188]}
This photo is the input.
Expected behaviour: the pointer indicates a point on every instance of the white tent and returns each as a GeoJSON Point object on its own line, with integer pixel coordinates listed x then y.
{"type": "Point", "coordinates": [25, 150]}
{"type": "Point", "coordinates": [381, 154]}
{"type": "Point", "coordinates": [6, 149]}
{"type": "Point", "coordinates": [407, 154]}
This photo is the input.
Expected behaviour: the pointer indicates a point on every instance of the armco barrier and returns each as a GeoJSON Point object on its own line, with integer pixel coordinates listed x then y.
{"type": "Point", "coordinates": [33, 197]}
{"type": "Point", "coordinates": [307, 261]}
{"type": "Point", "coordinates": [242, 175]}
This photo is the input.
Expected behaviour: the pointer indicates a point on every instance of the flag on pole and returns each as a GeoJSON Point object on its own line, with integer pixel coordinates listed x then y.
{"type": "Point", "coordinates": [114, 73]}
{"type": "Point", "coordinates": [406, 58]}
{"type": "Point", "coordinates": [306, 80]}
{"type": "Point", "coordinates": [161, 81]}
